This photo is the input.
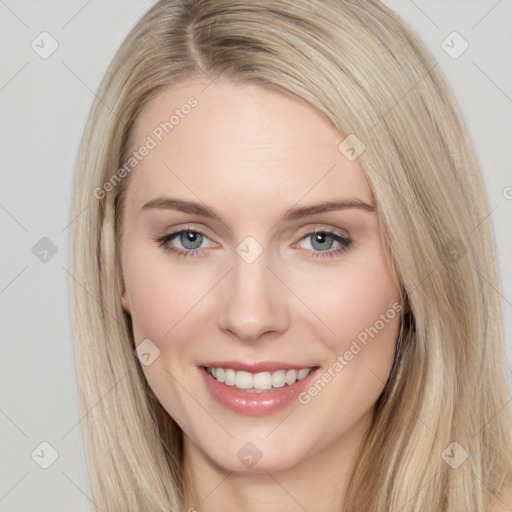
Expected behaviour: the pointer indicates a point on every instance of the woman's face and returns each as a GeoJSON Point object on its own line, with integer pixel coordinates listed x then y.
{"type": "Point", "coordinates": [223, 268]}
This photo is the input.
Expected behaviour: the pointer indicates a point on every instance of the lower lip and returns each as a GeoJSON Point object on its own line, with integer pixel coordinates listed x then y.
{"type": "Point", "coordinates": [251, 403]}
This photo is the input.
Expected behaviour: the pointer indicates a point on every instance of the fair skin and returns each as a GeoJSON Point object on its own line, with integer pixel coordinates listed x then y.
{"type": "Point", "coordinates": [250, 155]}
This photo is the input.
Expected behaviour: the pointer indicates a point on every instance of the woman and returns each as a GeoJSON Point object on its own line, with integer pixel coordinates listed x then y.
{"type": "Point", "coordinates": [224, 355]}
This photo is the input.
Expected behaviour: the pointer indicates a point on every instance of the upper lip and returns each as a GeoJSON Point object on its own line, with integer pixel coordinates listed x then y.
{"type": "Point", "coordinates": [255, 367]}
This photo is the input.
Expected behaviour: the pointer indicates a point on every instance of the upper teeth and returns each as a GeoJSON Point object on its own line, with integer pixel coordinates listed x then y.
{"type": "Point", "coordinates": [258, 381]}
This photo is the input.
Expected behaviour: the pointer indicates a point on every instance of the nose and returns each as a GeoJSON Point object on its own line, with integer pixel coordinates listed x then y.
{"type": "Point", "coordinates": [254, 301]}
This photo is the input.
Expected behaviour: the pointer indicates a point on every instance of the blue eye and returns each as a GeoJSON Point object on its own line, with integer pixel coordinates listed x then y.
{"type": "Point", "coordinates": [191, 240]}
{"type": "Point", "coordinates": [323, 241]}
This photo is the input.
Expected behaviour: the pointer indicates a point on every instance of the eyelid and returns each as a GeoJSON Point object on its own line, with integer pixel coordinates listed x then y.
{"type": "Point", "coordinates": [344, 241]}
{"type": "Point", "coordinates": [324, 228]}
{"type": "Point", "coordinates": [303, 232]}
{"type": "Point", "coordinates": [176, 230]}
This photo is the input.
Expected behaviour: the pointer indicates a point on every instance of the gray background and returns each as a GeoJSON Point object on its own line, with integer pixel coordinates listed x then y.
{"type": "Point", "coordinates": [44, 104]}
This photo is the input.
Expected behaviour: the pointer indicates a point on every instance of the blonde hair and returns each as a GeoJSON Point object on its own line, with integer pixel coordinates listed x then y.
{"type": "Point", "coordinates": [365, 72]}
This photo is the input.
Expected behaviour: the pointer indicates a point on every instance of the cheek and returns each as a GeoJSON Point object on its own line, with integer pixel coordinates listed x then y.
{"type": "Point", "coordinates": [362, 309]}
{"type": "Point", "coordinates": [359, 303]}
{"type": "Point", "coordinates": [351, 299]}
{"type": "Point", "coordinates": [164, 301]}
{"type": "Point", "coordinates": [348, 300]}
{"type": "Point", "coordinates": [161, 291]}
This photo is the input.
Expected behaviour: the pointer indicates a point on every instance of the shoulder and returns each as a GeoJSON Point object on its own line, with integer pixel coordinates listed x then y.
{"type": "Point", "coordinates": [504, 501]}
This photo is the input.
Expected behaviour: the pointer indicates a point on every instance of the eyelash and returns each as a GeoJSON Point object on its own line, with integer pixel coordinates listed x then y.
{"type": "Point", "coordinates": [163, 241]}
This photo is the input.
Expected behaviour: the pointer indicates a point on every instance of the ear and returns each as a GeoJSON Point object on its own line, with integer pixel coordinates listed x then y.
{"type": "Point", "coordinates": [124, 300]}
{"type": "Point", "coordinates": [108, 247]}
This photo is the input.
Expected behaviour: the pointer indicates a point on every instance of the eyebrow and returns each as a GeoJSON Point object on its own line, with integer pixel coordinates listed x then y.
{"type": "Point", "coordinates": [168, 203]}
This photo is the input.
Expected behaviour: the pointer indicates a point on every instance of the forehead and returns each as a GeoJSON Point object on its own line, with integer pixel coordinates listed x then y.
{"type": "Point", "coordinates": [241, 140]}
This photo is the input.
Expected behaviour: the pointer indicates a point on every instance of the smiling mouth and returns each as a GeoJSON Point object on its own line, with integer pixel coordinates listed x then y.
{"type": "Point", "coordinates": [258, 382]}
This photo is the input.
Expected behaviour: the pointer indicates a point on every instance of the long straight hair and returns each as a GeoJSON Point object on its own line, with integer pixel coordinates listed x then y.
{"type": "Point", "coordinates": [365, 72]}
